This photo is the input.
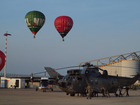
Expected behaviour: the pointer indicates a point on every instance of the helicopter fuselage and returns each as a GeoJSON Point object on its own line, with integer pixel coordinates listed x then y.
{"type": "Point", "coordinates": [76, 81]}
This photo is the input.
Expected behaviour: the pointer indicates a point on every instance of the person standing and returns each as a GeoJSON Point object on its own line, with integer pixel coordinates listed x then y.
{"type": "Point", "coordinates": [15, 85]}
{"type": "Point", "coordinates": [26, 85]}
{"type": "Point", "coordinates": [120, 91]}
{"type": "Point", "coordinates": [89, 92]}
{"type": "Point", "coordinates": [103, 91]}
{"type": "Point", "coordinates": [127, 89]}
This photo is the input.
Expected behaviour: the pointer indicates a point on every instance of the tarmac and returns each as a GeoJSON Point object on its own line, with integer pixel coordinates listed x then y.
{"type": "Point", "coordinates": [32, 97]}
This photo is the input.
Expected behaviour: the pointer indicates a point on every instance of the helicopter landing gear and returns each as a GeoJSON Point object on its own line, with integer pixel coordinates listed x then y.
{"type": "Point", "coordinates": [44, 90]}
{"type": "Point", "coordinates": [72, 94]}
{"type": "Point", "coordinates": [36, 88]}
{"type": "Point", "coordinates": [51, 89]}
{"type": "Point", "coordinates": [116, 94]}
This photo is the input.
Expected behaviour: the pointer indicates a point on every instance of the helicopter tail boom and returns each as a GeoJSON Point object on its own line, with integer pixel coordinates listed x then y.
{"type": "Point", "coordinates": [52, 73]}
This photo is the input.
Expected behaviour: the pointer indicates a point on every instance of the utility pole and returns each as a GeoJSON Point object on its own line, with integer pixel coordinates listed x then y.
{"type": "Point", "coordinates": [6, 34]}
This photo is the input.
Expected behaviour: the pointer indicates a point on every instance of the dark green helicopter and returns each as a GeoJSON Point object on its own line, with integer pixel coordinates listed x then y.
{"type": "Point", "coordinates": [77, 80]}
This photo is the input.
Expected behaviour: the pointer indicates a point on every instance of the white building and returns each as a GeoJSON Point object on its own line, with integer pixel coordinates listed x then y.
{"type": "Point", "coordinates": [10, 82]}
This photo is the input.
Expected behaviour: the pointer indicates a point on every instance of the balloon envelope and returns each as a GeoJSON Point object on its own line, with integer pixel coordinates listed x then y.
{"type": "Point", "coordinates": [2, 60]}
{"type": "Point", "coordinates": [34, 20]}
{"type": "Point", "coordinates": [63, 25]}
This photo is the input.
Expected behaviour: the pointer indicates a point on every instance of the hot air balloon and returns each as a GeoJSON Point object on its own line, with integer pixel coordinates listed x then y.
{"type": "Point", "coordinates": [34, 20]}
{"type": "Point", "coordinates": [63, 25]}
{"type": "Point", "coordinates": [2, 60]}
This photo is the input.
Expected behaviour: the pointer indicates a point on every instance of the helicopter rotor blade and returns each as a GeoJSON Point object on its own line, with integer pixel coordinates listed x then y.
{"type": "Point", "coordinates": [66, 67]}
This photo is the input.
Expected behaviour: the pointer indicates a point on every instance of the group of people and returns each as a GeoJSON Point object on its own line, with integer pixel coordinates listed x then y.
{"type": "Point", "coordinates": [125, 93]}
{"type": "Point", "coordinates": [90, 92]}
{"type": "Point", "coordinates": [26, 85]}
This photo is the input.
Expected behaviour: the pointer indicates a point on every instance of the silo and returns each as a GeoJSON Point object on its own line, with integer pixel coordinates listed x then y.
{"type": "Point", "coordinates": [130, 68]}
{"type": "Point", "coordinates": [125, 68]}
{"type": "Point", "coordinates": [114, 68]}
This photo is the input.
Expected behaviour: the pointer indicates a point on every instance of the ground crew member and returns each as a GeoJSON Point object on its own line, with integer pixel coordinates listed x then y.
{"type": "Point", "coordinates": [15, 85]}
{"type": "Point", "coordinates": [89, 92]}
{"type": "Point", "coordinates": [127, 88]}
{"type": "Point", "coordinates": [25, 84]}
{"type": "Point", "coordinates": [103, 91]}
{"type": "Point", "coordinates": [120, 91]}
{"type": "Point", "coordinates": [126, 91]}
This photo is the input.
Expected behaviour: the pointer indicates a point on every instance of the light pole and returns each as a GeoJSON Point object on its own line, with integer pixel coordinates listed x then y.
{"type": "Point", "coordinates": [6, 34]}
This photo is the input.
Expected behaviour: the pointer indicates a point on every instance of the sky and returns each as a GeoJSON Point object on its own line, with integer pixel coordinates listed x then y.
{"type": "Point", "coordinates": [101, 28]}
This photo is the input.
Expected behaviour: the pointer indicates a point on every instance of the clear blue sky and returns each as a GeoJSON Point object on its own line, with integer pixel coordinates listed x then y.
{"type": "Point", "coordinates": [102, 28]}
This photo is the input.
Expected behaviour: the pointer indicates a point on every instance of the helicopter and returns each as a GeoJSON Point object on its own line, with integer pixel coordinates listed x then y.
{"type": "Point", "coordinates": [77, 80]}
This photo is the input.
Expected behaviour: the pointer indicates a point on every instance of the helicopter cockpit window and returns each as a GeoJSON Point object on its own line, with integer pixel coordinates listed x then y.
{"type": "Point", "coordinates": [71, 78]}
{"type": "Point", "coordinates": [68, 78]}
{"type": "Point", "coordinates": [64, 78]}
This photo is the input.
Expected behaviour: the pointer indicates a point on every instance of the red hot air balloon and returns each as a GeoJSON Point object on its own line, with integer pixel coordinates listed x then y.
{"type": "Point", "coordinates": [2, 60]}
{"type": "Point", "coordinates": [63, 25]}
